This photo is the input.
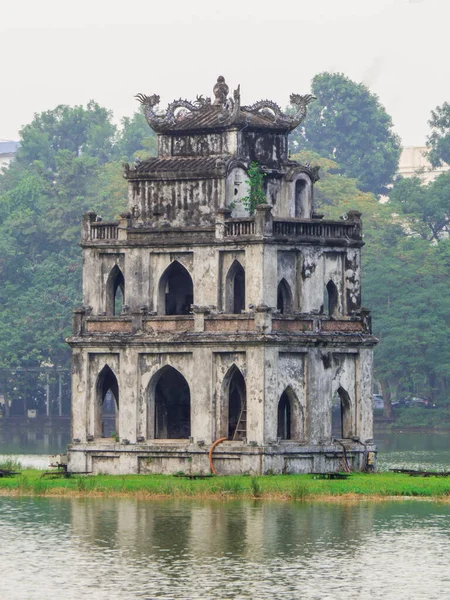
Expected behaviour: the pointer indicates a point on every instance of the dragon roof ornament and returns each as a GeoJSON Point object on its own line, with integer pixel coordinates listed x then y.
{"type": "Point", "coordinates": [223, 112]}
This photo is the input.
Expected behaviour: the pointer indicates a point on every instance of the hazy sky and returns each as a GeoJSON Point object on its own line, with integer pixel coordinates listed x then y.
{"type": "Point", "coordinates": [56, 52]}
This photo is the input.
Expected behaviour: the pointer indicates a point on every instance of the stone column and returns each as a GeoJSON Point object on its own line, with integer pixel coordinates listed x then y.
{"type": "Point", "coordinates": [124, 224]}
{"type": "Point", "coordinates": [318, 395]}
{"type": "Point", "coordinates": [264, 220]}
{"type": "Point", "coordinates": [221, 216]}
{"type": "Point", "coordinates": [88, 218]}
{"type": "Point", "coordinates": [255, 385]}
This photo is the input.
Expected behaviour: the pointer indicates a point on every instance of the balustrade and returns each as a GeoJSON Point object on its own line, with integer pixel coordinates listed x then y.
{"type": "Point", "coordinates": [104, 230]}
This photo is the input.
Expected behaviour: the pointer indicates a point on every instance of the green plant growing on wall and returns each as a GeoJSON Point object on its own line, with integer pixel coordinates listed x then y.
{"type": "Point", "coordinates": [255, 181]}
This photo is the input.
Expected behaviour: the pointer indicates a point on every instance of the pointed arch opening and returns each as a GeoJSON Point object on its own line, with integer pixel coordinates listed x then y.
{"type": "Point", "coordinates": [331, 299]}
{"type": "Point", "coordinates": [290, 417]}
{"type": "Point", "coordinates": [107, 404]}
{"type": "Point", "coordinates": [284, 297]}
{"type": "Point", "coordinates": [233, 414]}
{"type": "Point", "coordinates": [284, 417]}
{"type": "Point", "coordinates": [169, 405]}
{"type": "Point", "coordinates": [302, 196]}
{"type": "Point", "coordinates": [115, 292]}
{"type": "Point", "coordinates": [235, 289]}
{"type": "Point", "coordinates": [346, 420]}
{"type": "Point", "coordinates": [176, 290]}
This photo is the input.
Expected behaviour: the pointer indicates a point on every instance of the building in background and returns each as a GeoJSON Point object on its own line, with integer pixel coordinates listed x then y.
{"type": "Point", "coordinates": [8, 150]}
{"type": "Point", "coordinates": [413, 162]}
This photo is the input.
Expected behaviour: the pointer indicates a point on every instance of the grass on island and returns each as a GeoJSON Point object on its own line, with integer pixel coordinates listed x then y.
{"type": "Point", "coordinates": [281, 487]}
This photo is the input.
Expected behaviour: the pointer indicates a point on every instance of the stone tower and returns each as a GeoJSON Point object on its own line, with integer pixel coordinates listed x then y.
{"type": "Point", "coordinates": [201, 321]}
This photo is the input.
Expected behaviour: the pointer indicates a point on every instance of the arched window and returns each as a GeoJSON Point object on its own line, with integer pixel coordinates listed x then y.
{"type": "Point", "coordinates": [115, 292]}
{"type": "Point", "coordinates": [347, 430]}
{"type": "Point", "coordinates": [331, 300]}
{"type": "Point", "coordinates": [284, 297]}
{"type": "Point", "coordinates": [107, 404]}
{"type": "Point", "coordinates": [302, 197]}
{"type": "Point", "coordinates": [235, 289]}
{"type": "Point", "coordinates": [237, 405]}
{"type": "Point", "coordinates": [170, 405]}
{"type": "Point", "coordinates": [176, 290]}
{"type": "Point", "coordinates": [284, 417]}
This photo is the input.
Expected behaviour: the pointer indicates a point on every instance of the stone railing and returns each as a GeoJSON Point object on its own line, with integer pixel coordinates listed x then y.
{"type": "Point", "coordinates": [238, 227]}
{"type": "Point", "coordinates": [345, 229]}
{"type": "Point", "coordinates": [104, 230]}
{"type": "Point", "coordinates": [263, 224]}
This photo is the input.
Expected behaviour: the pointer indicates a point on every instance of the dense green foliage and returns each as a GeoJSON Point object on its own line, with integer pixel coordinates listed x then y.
{"type": "Point", "coordinates": [438, 141]}
{"type": "Point", "coordinates": [348, 124]}
{"type": "Point", "coordinates": [69, 161]}
{"type": "Point", "coordinates": [283, 487]}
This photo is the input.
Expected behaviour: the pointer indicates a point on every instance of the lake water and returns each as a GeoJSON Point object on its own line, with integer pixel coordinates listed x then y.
{"type": "Point", "coordinates": [129, 549]}
{"type": "Point", "coordinates": [103, 548]}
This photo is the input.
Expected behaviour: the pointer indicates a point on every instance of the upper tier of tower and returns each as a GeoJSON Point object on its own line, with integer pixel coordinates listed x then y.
{"type": "Point", "coordinates": [204, 151]}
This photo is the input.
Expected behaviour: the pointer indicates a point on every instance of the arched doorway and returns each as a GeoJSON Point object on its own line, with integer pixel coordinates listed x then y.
{"type": "Point", "coordinates": [176, 290]}
{"type": "Point", "coordinates": [115, 292]}
{"type": "Point", "coordinates": [346, 424]}
{"type": "Point", "coordinates": [235, 289]}
{"type": "Point", "coordinates": [107, 404]}
{"type": "Point", "coordinates": [170, 405]}
{"type": "Point", "coordinates": [331, 300]}
{"type": "Point", "coordinates": [284, 417]}
{"type": "Point", "coordinates": [237, 406]}
{"type": "Point", "coordinates": [284, 297]}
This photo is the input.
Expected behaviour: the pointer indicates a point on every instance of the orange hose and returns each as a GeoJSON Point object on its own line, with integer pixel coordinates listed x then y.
{"type": "Point", "coordinates": [213, 471]}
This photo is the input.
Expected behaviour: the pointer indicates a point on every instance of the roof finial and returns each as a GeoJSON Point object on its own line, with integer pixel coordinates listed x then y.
{"type": "Point", "coordinates": [220, 91]}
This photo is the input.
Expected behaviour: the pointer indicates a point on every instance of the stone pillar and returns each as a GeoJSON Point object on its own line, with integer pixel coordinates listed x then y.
{"type": "Point", "coordinates": [201, 396]}
{"type": "Point", "coordinates": [264, 220]}
{"type": "Point", "coordinates": [128, 393]}
{"type": "Point", "coordinates": [263, 319]}
{"type": "Point", "coordinates": [124, 224]}
{"type": "Point", "coordinates": [79, 395]}
{"type": "Point", "coordinates": [364, 417]}
{"type": "Point", "coordinates": [88, 218]}
{"type": "Point", "coordinates": [199, 317]}
{"type": "Point", "coordinates": [354, 216]}
{"type": "Point", "coordinates": [221, 216]}
{"type": "Point", "coordinates": [255, 385]}
{"type": "Point", "coordinates": [78, 321]}
{"type": "Point", "coordinates": [318, 395]}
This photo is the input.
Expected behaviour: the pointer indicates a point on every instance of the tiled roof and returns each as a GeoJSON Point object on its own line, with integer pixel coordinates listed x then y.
{"type": "Point", "coordinates": [213, 117]}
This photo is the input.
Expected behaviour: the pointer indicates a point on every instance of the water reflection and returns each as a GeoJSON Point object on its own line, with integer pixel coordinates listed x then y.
{"type": "Point", "coordinates": [121, 548]}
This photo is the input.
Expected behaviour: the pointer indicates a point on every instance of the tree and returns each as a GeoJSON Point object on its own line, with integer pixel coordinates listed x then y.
{"type": "Point", "coordinates": [81, 131]}
{"type": "Point", "coordinates": [136, 139]}
{"type": "Point", "coordinates": [438, 142]}
{"type": "Point", "coordinates": [348, 124]}
{"type": "Point", "coordinates": [64, 167]}
{"type": "Point", "coordinates": [424, 209]}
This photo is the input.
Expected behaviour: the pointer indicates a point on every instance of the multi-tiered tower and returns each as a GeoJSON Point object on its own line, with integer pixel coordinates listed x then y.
{"type": "Point", "coordinates": [202, 321]}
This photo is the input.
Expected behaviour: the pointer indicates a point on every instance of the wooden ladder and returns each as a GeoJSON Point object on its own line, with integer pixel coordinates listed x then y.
{"type": "Point", "coordinates": [241, 428]}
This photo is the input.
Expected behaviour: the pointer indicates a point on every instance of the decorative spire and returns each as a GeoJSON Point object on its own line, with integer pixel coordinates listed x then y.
{"type": "Point", "coordinates": [220, 91]}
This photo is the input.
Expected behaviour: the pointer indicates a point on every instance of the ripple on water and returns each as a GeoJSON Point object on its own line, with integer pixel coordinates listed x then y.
{"type": "Point", "coordinates": [121, 548]}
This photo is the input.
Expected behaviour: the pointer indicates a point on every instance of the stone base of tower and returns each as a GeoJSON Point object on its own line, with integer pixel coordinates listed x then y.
{"type": "Point", "coordinates": [229, 458]}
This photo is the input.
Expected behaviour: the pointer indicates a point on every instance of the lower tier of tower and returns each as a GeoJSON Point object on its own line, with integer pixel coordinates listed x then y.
{"type": "Point", "coordinates": [158, 407]}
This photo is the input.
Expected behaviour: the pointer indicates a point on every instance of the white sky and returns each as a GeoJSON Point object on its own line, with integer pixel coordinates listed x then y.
{"type": "Point", "coordinates": [55, 52]}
